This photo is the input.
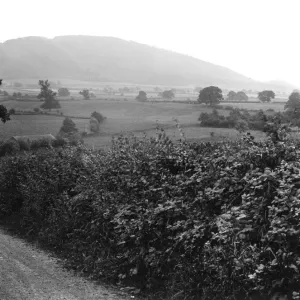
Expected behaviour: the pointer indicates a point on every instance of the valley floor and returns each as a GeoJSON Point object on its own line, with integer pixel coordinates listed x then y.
{"type": "Point", "coordinates": [29, 274]}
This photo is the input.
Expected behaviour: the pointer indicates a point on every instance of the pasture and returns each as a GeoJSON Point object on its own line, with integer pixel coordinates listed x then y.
{"type": "Point", "coordinates": [123, 117]}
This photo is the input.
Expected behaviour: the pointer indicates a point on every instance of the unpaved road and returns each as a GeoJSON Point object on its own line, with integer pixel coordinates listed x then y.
{"type": "Point", "coordinates": [29, 274]}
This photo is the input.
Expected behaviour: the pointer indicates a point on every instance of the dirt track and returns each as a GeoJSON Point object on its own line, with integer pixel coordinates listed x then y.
{"type": "Point", "coordinates": [29, 274]}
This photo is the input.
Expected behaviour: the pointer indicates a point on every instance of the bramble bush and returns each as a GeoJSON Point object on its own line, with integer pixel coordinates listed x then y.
{"type": "Point", "coordinates": [215, 220]}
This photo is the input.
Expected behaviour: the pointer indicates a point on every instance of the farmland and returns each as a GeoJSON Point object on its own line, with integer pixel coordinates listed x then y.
{"type": "Point", "coordinates": [122, 117]}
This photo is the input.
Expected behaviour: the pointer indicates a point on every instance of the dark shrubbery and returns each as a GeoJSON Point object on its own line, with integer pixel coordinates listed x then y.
{"type": "Point", "coordinates": [12, 147]}
{"type": "Point", "coordinates": [194, 221]}
{"type": "Point", "coordinates": [257, 120]}
{"type": "Point", "coordinates": [9, 148]}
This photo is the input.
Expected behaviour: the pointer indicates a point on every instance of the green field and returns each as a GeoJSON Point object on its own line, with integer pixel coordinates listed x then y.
{"type": "Point", "coordinates": [123, 117]}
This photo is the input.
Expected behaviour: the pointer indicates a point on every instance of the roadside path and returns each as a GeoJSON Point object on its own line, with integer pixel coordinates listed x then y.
{"type": "Point", "coordinates": [27, 273]}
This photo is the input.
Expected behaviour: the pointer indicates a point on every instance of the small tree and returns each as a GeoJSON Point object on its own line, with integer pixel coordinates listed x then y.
{"type": "Point", "coordinates": [98, 116]}
{"type": "Point", "coordinates": [85, 93]}
{"type": "Point", "coordinates": [168, 94]}
{"type": "Point", "coordinates": [293, 104]}
{"type": "Point", "coordinates": [142, 96]}
{"type": "Point", "coordinates": [266, 96]}
{"type": "Point", "coordinates": [94, 124]}
{"type": "Point", "coordinates": [241, 96]}
{"type": "Point", "coordinates": [46, 94]}
{"type": "Point", "coordinates": [63, 92]}
{"type": "Point", "coordinates": [4, 115]}
{"type": "Point", "coordinates": [68, 127]}
{"type": "Point", "coordinates": [231, 95]}
{"type": "Point", "coordinates": [211, 95]}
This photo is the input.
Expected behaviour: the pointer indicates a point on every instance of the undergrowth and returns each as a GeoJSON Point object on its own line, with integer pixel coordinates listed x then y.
{"type": "Point", "coordinates": [185, 221]}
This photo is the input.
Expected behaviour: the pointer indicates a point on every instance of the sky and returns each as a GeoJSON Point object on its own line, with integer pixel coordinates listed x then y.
{"type": "Point", "coordinates": [257, 38]}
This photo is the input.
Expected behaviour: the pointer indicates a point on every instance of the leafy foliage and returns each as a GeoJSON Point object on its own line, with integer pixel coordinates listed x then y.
{"type": "Point", "coordinates": [195, 221]}
{"type": "Point", "coordinates": [46, 94]}
{"type": "Point", "coordinates": [63, 92]}
{"type": "Point", "coordinates": [4, 115]}
{"type": "Point", "coordinates": [211, 95]}
{"type": "Point", "coordinates": [68, 126]}
{"type": "Point", "coordinates": [169, 94]}
{"type": "Point", "coordinates": [142, 96]}
{"type": "Point", "coordinates": [86, 94]}
{"type": "Point", "coordinates": [266, 96]}
{"type": "Point", "coordinates": [293, 104]}
{"type": "Point", "coordinates": [239, 96]}
{"type": "Point", "coordinates": [99, 117]}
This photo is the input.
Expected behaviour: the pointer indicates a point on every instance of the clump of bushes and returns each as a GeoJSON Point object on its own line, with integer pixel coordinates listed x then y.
{"type": "Point", "coordinates": [192, 221]}
{"type": "Point", "coordinates": [9, 147]}
{"type": "Point", "coordinates": [12, 147]}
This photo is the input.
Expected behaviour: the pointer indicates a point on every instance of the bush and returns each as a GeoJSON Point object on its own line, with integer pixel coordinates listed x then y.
{"type": "Point", "coordinates": [192, 221]}
{"type": "Point", "coordinates": [36, 109]}
{"type": "Point", "coordinates": [59, 142]}
{"type": "Point", "coordinates": [99, 117]}
{"type": "Point", "coordinates": [24, 145]}
{"type": "Point", "coordinates": [9, 148]}
{"type": "Point", "coordinates": [41, 143]}
{"type": "Point", "coordinates": [12, 111]}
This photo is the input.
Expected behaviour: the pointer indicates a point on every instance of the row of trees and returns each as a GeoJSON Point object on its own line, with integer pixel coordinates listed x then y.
{"type": "Point", "coordinates": [168, 95]}
{"type": "Point", "coordinates": [213, 95]}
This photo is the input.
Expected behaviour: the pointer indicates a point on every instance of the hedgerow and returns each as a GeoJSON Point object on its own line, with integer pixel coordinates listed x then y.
{"type": "Point", "coordinates": [190, 221]}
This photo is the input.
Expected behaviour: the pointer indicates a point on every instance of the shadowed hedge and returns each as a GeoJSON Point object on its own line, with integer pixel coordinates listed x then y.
{"type": "Point", "coordinates": [188, 221]}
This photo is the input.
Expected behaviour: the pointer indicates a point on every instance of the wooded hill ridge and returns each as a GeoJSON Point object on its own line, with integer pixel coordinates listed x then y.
{"type": "Point", "coordinates": [110, 59]}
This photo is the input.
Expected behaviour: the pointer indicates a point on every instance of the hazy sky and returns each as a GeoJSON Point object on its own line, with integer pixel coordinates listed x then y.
{"type": "Point", "coordinates": [258, 38]}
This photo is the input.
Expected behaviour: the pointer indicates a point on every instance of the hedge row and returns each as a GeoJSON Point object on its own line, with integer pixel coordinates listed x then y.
{"type": "Point", "coordinates": [182, 221]}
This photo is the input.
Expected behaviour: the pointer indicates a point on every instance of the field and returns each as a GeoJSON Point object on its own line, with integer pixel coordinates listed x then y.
{"type": "Point", "coordinates": [122, 117]}
{"type": "Point", "coordinates": [123, 113]}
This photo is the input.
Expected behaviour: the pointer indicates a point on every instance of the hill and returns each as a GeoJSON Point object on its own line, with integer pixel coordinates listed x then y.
{"type": "Point", "coordinates": [114, 60]}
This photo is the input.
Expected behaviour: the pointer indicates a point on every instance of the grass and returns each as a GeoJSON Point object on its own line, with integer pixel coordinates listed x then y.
{"type": "Point", "coordinates": [123, 117]}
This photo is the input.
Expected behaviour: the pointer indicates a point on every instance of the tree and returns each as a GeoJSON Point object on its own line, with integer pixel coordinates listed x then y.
{"type": "Point", "coordinates": [94, 125]}
{"type": "Point", "coordinates": [241, 96]}
{"type": "Point", "coordinates": [85, 93]}
{"type": "Point", "coordinates": [47, 95]}
{"type": "Point", "coordinates": [63, 92]}
{"type": "Point", "coordinates": [68, 127]}
{"type": "Point", "coordinates": [231, 95]}
{"type": "Point", "coordinates": [168, 94]}
{"type": "Point", "coordinates": [293, 104]}
{"type": "Point", "coordinates": [142, 96]}
{"type": "Point", "coordinates": [266, 96]}
{"type": "Point", "coordinates": [97, 116]}
{"type": "Point", "coordinates": [4, 115]}
{"type": "Point", "coordinates": [211, 95]}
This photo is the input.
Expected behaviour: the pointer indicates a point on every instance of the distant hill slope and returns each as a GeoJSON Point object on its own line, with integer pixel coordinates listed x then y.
{"type": "Point", "coordinates": [113, 59]}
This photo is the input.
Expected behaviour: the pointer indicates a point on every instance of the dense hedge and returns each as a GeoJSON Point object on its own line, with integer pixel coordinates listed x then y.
{"type": "Point", "coordinates": [253, 120]}
{"type": "Point", "coordinates": [191, 221]}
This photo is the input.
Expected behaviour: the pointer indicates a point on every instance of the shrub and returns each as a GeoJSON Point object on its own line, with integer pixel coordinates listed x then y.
{"type": "Point", "coordinates": [68, 127]}
{"type": "Point", "coordinates": [59, 142]}
{"type": "Point", "coordinates": [9, 148]}
{"type": "Point", "coordinates": [41, 143]}
{"type": "Point", "coordinates": [24, 145]}
{"type": "Point", "coordinates": [12, 111]}
{"type": "Point", "coordinates": [99, 117]}
{"type": "Point", "coordinates": [36, 109]}
{"type": "Point", "coordinates": [192, 221]}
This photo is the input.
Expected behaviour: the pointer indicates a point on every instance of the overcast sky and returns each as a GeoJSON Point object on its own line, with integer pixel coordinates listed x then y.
{"type": "Point", "coordinates": [258, 38]}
